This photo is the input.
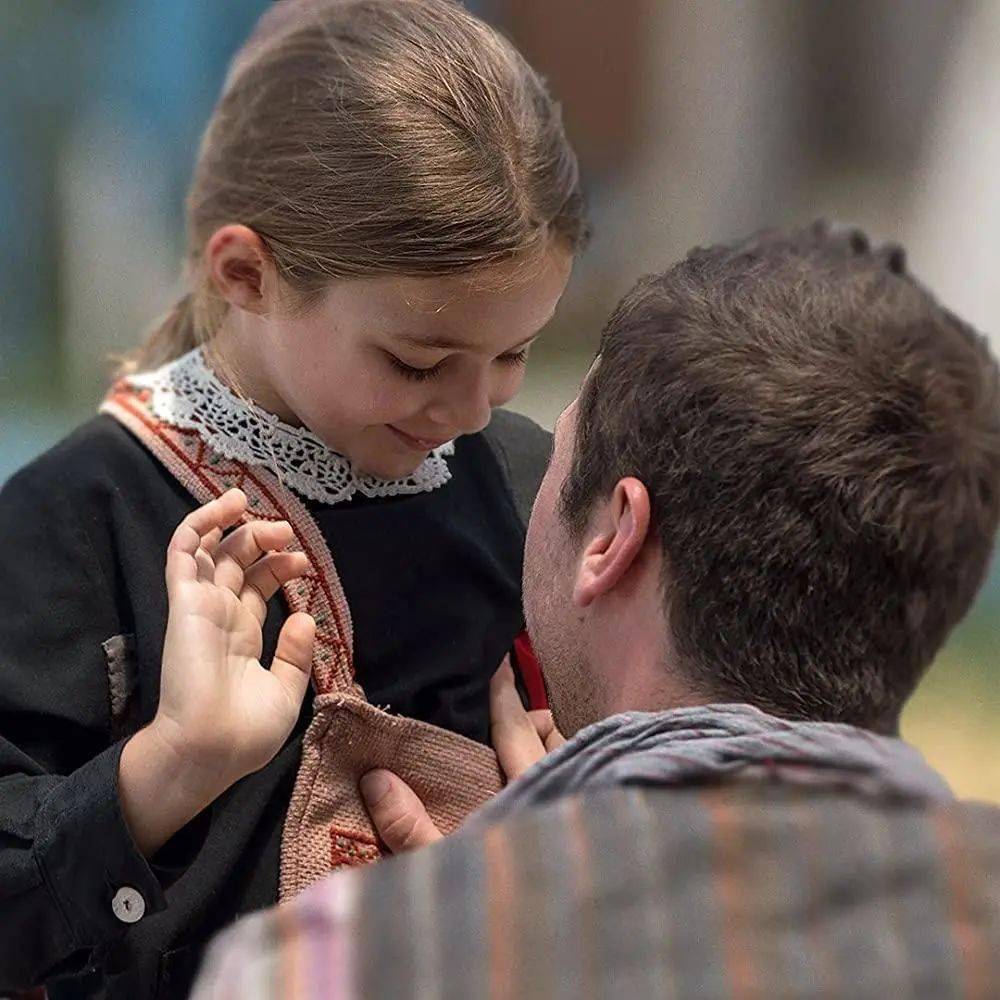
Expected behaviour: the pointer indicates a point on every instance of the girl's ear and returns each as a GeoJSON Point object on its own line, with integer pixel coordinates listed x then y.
{"type": "Point", "coordinates": [619, 533]}
{"type": "Point", "coordinates": [241, 268]}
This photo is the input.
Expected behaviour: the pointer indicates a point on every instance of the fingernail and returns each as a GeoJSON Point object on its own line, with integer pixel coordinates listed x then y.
{"type": "Point", "coordinates": [374, 787]}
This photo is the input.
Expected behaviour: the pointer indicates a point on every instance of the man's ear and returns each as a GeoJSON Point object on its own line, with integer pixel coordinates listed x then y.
{"type": "Point", "coordinates": [241, 268]}
{"type": "Point", "coordinates": [617, 536]}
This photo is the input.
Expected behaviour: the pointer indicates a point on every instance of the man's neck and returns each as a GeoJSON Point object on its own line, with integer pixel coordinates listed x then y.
{"type": "Point", "coordinates": [652, 681]}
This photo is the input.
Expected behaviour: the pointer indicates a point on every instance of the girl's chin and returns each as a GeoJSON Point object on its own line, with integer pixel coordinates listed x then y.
{"type": "Point", "coordinates": [385, 458]}
{"type": "Point", "coordinates": [388, 467]}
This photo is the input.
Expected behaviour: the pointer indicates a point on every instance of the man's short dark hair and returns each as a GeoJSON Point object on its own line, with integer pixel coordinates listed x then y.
{"type": "Point", "coordinates": [821, 443]}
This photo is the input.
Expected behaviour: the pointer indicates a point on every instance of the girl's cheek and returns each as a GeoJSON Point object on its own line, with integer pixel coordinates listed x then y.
{"type": "Point", "coordinates": [385, 398]}
{"type": "Point", "coordinates": [507, 387]}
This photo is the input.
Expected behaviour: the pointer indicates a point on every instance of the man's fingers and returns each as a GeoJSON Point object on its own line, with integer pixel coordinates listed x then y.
{"type": "Point", "coordinates": [513, 734]}
{"type": "Point", "coordinates": [244, 546]}
{"type": "Point", "coordinates": [262, 580]}
{"type": "Point", "coordinates": [292, 663]}
{"type": "Point", "coordinates": [397, 814]}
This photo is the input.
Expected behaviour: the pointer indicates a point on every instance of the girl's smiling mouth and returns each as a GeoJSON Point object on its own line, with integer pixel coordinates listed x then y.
{"type": "Point", "coordinates": [417, 443]}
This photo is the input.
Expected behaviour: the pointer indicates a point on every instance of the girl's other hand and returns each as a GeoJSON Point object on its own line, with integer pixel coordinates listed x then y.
{"type": "Point", "coordinates": [520, 737]}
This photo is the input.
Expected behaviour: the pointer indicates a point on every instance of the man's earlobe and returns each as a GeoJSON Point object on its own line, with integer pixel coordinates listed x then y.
{"type": "Point", "coordinates": [238, 262]}
{"type": "Point", "coordinates": [617, 536]}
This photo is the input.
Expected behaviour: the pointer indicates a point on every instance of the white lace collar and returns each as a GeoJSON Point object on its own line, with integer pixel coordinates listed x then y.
{"type": "Point", "coordinates": [188, 394]}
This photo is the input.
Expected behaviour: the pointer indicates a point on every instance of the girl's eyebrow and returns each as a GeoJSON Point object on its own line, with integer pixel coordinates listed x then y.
{"type": "Point", "coordinates": [437, 343]}
{"type": "Point", "coordinates": [446, 344]}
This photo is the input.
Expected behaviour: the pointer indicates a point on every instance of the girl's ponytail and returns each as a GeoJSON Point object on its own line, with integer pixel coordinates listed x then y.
{"type": "Point", "coordinates": [172, 335]}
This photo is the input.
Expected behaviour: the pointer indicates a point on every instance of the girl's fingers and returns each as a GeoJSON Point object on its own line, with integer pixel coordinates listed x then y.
{"type": "Point", "coordinates": [206, 566]}
{"type": "Point", "coordinates": [292, 664]}
{"type": "Point", "coordinates": [201, 526]}
{"type": "Point", "coordinates": [187, 559]}
{"type": "Point", "coordinates": [222, 512]}
{"type": "Point", "coordinates": [263, 579]}
{"type": "Point", "coordinates": [181, 562]}
{"type": "Point", "coordinates": [545, 726]}
{"type": "Point", "coordinates": [210, 543]}
{"type": "Point", "coordinates": [243, 547]}
{"type": "Point", "coordinates": [513, 734]}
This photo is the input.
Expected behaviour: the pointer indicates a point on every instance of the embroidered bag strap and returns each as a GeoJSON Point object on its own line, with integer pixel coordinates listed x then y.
{"type": "Point", "coordinates": [327, 826]}
{"type": "Point", "coordinates": [206, 475]}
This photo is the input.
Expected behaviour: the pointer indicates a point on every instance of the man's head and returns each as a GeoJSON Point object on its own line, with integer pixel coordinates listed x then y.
{"type": "Point", "coordinates": [780, 484]}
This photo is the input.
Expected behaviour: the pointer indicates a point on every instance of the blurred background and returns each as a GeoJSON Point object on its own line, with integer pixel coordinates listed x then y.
{"type": "Point", "coordinates": [694, 121]}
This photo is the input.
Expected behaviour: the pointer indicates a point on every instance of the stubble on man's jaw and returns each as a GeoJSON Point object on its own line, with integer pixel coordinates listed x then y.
{"type": "Point", "coordinates": [577, 694]}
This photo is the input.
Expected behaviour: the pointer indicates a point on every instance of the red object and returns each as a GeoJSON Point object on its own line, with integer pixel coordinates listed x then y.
{"type": "Point", "coordinates": [531, 672]}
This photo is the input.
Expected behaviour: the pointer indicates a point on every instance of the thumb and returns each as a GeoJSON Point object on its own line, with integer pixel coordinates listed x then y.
{"type": "Point", "coordinates": [397, 814]}
{"type": "Point", "coordinates": [292, 664]}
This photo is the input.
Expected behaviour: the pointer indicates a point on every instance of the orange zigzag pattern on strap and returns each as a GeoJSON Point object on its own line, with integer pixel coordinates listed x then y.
{"type": "Point", "coordinates": [349, 849]}
{"type": "Point", "coordinates": [207, 475]}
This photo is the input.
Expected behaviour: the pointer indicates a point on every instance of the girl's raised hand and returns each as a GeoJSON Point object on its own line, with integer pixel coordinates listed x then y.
{"type": "Point", "coordinates": [220, 710]}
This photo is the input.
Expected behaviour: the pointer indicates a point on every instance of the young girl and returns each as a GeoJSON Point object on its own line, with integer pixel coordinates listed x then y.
{"type": "Point", "coordinates": [383, 217]}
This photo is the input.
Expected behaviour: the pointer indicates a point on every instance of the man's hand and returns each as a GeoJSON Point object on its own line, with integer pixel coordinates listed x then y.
{"type": "Point", "coordinates": [397, 814]}
{"type": "Point", "coordinates": [520, 739]}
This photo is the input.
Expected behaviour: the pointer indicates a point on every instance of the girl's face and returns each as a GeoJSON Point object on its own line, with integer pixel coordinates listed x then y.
{"type": "Point", "coordinates": [386, 369]}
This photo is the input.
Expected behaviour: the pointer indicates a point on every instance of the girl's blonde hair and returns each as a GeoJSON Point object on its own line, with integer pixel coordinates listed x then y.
{"type": "Point", "coordinates": [368, 137]}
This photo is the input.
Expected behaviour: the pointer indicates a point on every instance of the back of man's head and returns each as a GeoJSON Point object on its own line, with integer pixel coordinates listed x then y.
{"type": "Point", "coordinates": [821, 445]}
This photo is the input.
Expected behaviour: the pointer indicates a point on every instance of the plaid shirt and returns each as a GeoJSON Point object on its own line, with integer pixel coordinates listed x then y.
{"type": "Point", "coordinates": [743, 889]}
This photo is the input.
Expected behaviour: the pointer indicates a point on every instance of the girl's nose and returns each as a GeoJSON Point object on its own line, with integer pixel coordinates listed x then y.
{"type": "Point", "coordinates": [464, 409]}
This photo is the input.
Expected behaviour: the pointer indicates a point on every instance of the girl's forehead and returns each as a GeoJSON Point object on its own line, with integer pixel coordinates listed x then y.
{"type": "Point", "coordinates": [540, 275]}
{"type": "Point", "coordinates": [509, 297]}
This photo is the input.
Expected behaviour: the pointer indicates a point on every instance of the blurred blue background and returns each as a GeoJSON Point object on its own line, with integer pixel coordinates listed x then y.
{"type": "Point", "coordinates": [694, 122]}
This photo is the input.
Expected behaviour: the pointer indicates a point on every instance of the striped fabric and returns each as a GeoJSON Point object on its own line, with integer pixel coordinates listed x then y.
{"type": "Point", "coordinates": [741, 890]}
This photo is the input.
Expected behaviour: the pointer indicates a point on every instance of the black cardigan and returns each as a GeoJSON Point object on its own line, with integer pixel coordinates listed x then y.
{"type": "Point", "coordinates": [434, 585]}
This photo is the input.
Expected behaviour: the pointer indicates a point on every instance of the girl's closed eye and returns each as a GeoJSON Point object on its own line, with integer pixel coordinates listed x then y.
{"type": "Point", "coordinates": [410, 372]}
{"type": "Point", "coordinates": [515, 359]}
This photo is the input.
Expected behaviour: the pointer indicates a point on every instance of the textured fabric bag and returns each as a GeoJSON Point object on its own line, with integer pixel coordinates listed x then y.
{"type": "Point", "coordinates": [327, 826]}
